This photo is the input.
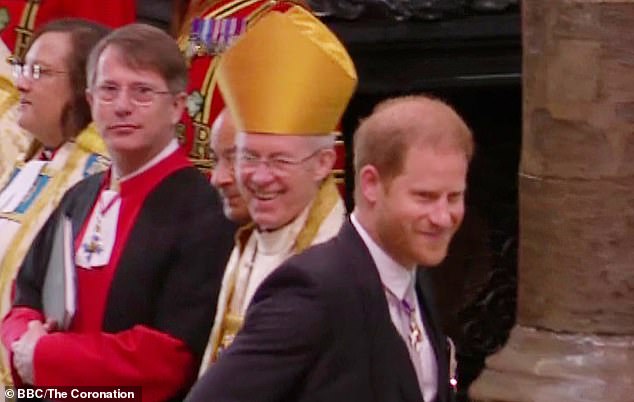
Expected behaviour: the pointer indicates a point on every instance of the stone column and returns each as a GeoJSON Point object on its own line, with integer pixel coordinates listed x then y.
{"type": "Point", "coordinates": [574, 337]}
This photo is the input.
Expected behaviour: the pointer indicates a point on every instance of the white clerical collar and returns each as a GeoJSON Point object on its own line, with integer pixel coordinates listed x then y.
{"type": "Point", "coordinates": [279, 240]}
{"type": "Point", "coordinates": [394, 276]}
{"type": "Point", "coordinates": [167, 151]}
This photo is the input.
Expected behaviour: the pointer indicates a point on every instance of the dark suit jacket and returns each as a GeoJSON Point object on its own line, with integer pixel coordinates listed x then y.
{"type": "Point", "coordinates": [319, 329]}
{"type": "Point", "coordinates": [169, 274]}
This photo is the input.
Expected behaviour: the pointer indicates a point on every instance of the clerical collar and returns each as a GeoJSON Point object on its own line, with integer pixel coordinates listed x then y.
{"type": "Point", "coordinates": [275, 241]}
{"type": "Point", "coordinates": [167, 151]}
{"type": "Point", "coordinates": [394, 276]}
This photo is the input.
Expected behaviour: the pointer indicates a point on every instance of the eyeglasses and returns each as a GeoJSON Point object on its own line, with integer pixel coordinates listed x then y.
{"type": "Point", "coordinates": [34, 71]}
{"type": "Point", "coordinates": [279, 166]}
{"type": "Point", "coordinates": [140, 95]}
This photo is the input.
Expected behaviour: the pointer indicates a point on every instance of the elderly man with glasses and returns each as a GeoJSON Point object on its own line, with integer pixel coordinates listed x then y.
{"type": "Point", "coordinates": [285, 117]}
{"type": "Point", "coordinates": [149, 237]}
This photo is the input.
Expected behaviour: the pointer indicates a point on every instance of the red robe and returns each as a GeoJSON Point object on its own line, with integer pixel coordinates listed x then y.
{"type": "Point", "coordinates": [25, 16]}
{"type": "Point", "coordinates": [85, 355]}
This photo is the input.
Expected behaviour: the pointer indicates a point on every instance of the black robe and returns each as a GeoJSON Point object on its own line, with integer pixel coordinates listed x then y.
{"type": "Point", "coordinates": [169, 274]}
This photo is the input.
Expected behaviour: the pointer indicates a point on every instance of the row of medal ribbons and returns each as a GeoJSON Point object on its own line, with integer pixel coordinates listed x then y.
{"type": "Point", "coordinates": [213, 36]}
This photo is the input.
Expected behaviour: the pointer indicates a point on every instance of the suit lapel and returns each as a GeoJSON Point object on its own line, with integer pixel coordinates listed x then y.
{"type": "Point", "coordinates": [432, 327]}
{"type": "Point", "coordinates": [79, 209]}
{"type": "Point", "coordinates": [392, 372]}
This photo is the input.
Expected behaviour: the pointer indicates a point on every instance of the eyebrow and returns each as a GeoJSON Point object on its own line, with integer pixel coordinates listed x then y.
{"type": "Point", "coordinates": [271, 155]}
{"type": "Point", "coordinates": [132, 84]}
{"type": "Point", "coordinates": [42, 63]}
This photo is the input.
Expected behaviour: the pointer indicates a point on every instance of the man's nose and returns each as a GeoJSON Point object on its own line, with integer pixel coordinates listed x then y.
{"type": "Point", "coordinates": [441, 214]}
{"type": "Point", "coordinates": [262, 172]}
{"type": "Point", "coordinates": [122, 102]}
{"type": "Point", "coordinates": [222, 176]}
{"type": "Point", "coordinates": [23, 83]}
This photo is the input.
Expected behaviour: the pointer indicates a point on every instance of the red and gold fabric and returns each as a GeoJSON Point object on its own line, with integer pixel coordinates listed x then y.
{"type": "Point", "coordinates": [204, 101]}
{"type": "Point", "coordinates": [19, 18]}
{"type": "Point", "coordinates": [133, 303]}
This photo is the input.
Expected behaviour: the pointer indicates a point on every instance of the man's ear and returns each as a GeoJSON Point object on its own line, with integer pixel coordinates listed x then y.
{"type": "Point", "coordinates": [369, 184]}
{"type": "Point", "coordinates": [89, 98]}
{"type": "Point", "coordinates": [179, 103]}
{"type": "Point", "coordinates": [326, 159]}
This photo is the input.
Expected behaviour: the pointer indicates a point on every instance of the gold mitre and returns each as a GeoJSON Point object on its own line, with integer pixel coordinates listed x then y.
{"type": "Point", "coordinates": [288, 74]}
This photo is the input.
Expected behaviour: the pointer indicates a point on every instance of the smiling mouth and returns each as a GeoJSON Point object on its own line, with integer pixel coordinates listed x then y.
{"type": "Point", "coordinates": [123, 127]}
{"type": "Point", "coordinates": [437, 236]}
{"type": "Point", "coordinates": [261, 196]}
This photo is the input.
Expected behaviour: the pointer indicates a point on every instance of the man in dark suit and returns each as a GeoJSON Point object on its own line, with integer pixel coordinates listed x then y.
{"type": "Point", "coordinates": [347, 320]}
{"type": "Point", "coordinates": [150, 240]}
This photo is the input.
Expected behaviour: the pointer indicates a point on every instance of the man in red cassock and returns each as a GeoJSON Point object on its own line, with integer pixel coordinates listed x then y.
{"type": "Point", "coordinates": [150, 240]}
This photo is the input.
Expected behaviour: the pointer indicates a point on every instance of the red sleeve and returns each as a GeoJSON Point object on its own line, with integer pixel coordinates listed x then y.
{"type": "Point", "coordinates": [13, 326]}
{"type": "Point", "coordinates": [140, 356]}
{"type": "Point", "coordinates": [15, 323]}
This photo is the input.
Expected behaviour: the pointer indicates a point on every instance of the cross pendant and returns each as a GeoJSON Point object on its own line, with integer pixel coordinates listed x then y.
{"type": "Point", "coordinates": [415, 335]}
{"type": "Point", "coordinates": [93, 247]}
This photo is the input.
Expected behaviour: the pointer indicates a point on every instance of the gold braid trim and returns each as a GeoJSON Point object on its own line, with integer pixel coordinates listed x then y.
{"type": "Point", "coordinates": [24, 30]}
{"type": "Point", "coordinates": [11, 95]}
{"type": "Point", "coordinates": [14, 138]}
{"type": "Point", "coordinates": [208, 90]}
{"type": "Point", "coordinates": [326, 199]}
{"type": "Point", "coordinates": [87, 142]}
{"type": "Point", "coordinates": [90, 141]}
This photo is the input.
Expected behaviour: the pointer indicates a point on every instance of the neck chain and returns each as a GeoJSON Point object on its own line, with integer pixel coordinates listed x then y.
{"type": "Point", "coordinates": [94, 244]}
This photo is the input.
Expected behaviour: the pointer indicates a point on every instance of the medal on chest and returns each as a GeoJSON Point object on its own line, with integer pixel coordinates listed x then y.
{"type": "Point", "coordinates": [212, 36]}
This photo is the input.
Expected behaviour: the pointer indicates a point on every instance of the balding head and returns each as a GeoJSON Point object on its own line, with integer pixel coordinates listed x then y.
{"type": "Point", "coordinates": [223, 148]}
{"type": "Point", "coordinates": [398, 124]}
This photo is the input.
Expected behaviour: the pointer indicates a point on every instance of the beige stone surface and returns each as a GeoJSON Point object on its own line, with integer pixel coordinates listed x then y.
{"type": "Point", "coordinates": [578, 88]}
{"type": "Point", "coordinates": [575, 335]}
{"type": "Point", "coordinates": [576, 255]}
{"type": "Point", "coordinates": [540, 366]}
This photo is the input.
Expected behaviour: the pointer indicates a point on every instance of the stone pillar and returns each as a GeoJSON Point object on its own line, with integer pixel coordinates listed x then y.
{"type": "Point", "coordinates": [574, 337]}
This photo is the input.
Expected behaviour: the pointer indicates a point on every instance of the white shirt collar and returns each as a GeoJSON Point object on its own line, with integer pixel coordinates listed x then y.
{"type": "Point", "coordinates": [394, 276]}
{"type": "Point", "coordinates": [282, 239]}
{"type": "Point", "coordinates": [167, 151]}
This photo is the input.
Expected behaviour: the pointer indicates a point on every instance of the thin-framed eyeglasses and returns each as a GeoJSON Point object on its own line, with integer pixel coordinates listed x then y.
{"type": "Point", "coordinates": [278, 165]}
{"type": "Point", "coordinates": [139, 94]}
{"type": "Point", "coordinates": [34, 70]}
